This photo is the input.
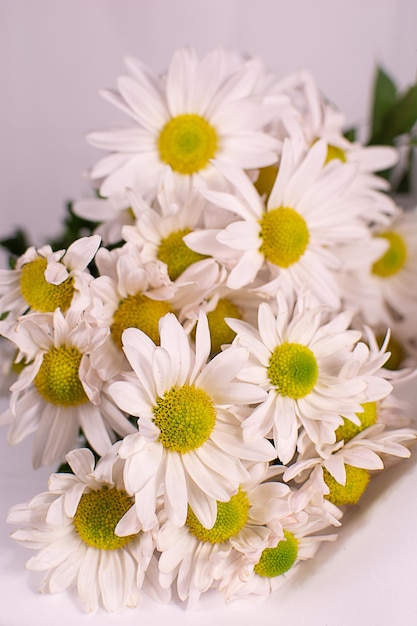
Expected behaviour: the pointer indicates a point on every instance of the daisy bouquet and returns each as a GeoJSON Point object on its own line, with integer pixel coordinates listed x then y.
{"type": "Point", "coordinates": [211, 357]}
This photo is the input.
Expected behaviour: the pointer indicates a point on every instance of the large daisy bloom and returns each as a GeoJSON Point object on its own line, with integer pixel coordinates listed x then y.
{"type": "Point", "coordinates": [44, 280]}
{"type": "Point", "coordinates": [298, 356]}
{"type": "Point", "coordinates": [72, 528]}
{"type": "Point", "coordinates": [189, 447]}
{"type": "Point", "coordinates": [199, 110]}
{"type": "Point", "coordinates": [309, 212]}
{"type": "Point", "coordinates": [59, 391]}
{"type": "Point", "coordinates": [188, 553]}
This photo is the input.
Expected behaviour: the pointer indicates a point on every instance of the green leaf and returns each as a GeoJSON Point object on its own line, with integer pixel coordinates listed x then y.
{"type": "Point", "coordinates": [384, 98]}
{"type": "Point", "coordinates": [401, 118]}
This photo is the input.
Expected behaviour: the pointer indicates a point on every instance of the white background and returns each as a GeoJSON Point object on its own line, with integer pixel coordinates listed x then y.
{"type": "Point", "coordinates": [54, 56]}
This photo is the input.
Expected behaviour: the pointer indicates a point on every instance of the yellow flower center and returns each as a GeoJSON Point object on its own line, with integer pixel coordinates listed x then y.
{"type": "Point", "coordinates": [187, 143]}
{"type": "Point", "coordinates": [278, 560]}
{"type": "Point", "coordinates": [186, 417]}
{"type": "Point", "coordinates": [141, 312]}
{"type": "Point", "coordinates": [231, 518]}
{"type": "Point", "coordinates": [284, 235]}
{"type": "Point", "coordinates": [41, 295]}
{"type": "Point", "coordinates": [57, 380]}
{"type": "Point", "coordinates": [357, 480]}
{"type": "Point", "coordinates": [220, 332]}
{"type": "Point", "coordinates": [397, 352]}
{"type": "Point", "coordinates": [334, 152]}
{"type": "Point", "coordinates": [266, 179]}
{"type": "Point", "coordinates": [97, 516]}
{"type": "Point", "coordinates": [293, 370]}
{"type": "Point", "coordinates": [176, 254]}
{"type": "Point", "coordinates": [348, 429]}
{"type": "Point", "coordinates": [394, 258]}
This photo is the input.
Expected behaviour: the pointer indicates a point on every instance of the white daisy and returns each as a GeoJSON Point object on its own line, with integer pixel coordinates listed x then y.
{"type": "Point", "coordinates": [59, 391]}
{"type": "Point", "coordinates": [341, 471]}
{"type": "Point", "coordinates": [309, 211]}
{"type": "Point", "coordinates": [247, 578]}
{"type": "Point", "coordinates": [188, 553]}
{"type": "Point", "coordinates": [110, 215]}
{"type": "Point", "coordinates": [189, 446]}
{"type": "Point", "coordinates": [385, 287]}
{"type": "Point", "coordinates": [72, 527]}
{"type": "Point", "coordinates": [43, 280]}
{"type": "Point", "coordinates": [198, 111]}
{"type": "Point", "coordinates": [298, 357]}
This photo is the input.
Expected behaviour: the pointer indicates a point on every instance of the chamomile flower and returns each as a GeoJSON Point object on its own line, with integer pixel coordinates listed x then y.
{"type": "Point", "coordinates": [309, 211]}
{"type": "Point", "coordinates": [72, 528]}
{"type": "Point", "coordinates": [59, 391]}
{"type": "Point", "coordinates": [188, 553]}
{"type": "Point", "coordinates": [341, 471]}
{"type": "Point", "coordinates": [297, 356]}
{"type": "Point", "coordinates": [43, 280]}
{"type": "Point", "coordinates": [244, 579]}
{"type": "Point", "coordinates": [189, 447]}
{"type": "Point", "coordinates": [385, 288]}
{"type": "Point", "coordinates": [198, 111]}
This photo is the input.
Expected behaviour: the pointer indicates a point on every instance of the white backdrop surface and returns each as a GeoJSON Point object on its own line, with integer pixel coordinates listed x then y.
{"type": "Point", "coordinates": [54, 56]}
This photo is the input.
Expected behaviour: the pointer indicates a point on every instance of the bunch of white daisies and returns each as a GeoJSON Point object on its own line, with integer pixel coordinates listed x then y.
{"type": "Point", "coordinates": [211, 361]}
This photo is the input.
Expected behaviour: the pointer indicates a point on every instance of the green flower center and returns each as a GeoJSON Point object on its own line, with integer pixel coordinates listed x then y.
{"type": "Point", "coordinates": [187, 143]}
{"type": "Point", "coordinates": [141, 312]}
{"type": "Point", "coordinates": [348, 429]}
{"type": "Point", "coordinates": [284, 235]}
{"type": "Point", "coordinates": [41, 295]}
{"type": "Point", "coordinates": [394, 258]}
{"type": "Point", "coordinates": [97, 516]}
{"type": "Point", "coordinates": [57, 380]}
{"type": "Point", "coordinates": [186, 417]}
{"type": "Point", "coordinates": [278, 560]}
{"type": "Point", "coordinates": [334, 152]}
{"type": "Point", "coordinates": [293, 370]}
{"type": "Point", "coordinates": [176, 254]}
{"type": "Point", "coordinates": [220, 332]}
{"type": "Point", "coordinates": [357, 480]}
{"type": "Point", "coordinates": [231, 518]}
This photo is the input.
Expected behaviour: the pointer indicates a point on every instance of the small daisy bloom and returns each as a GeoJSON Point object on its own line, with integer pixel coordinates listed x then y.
{"type": "Point", "coordinates": [297, 357]}
{"type": "Point", "coordinates": [341, 471]}
{"type": "Point", "coordinates": [308, 212]}
{"type": "Point", "coordinates": [198, 111]}
{"type": "Point", "coordinates": [315, 118]}
{"type": "Point", "coordinates": [188, 553]}
{"type": "Point", "coordinates": [189, 446]}
{"type": "Point", "coordinates": [386, 287]}
{"type": "Point", "coordinates": [110, 215]}
{"type": "Point", "coordinates": [72, 527]}
{"type": "Point", "coordinates": [44, 280]}
{"type": "Point", "coordinates": [244, 579]}
{"type": "Point", "coordinates": [59, 391]}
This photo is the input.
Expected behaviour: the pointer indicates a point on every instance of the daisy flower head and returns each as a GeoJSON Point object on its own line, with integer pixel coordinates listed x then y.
{"type": "Point", "coordinates": [247, 578]}
{"type": "Point", "coordinates": [297, 356]}
{"type": "Point", "coordinates": [59, 390]}
{"type": "Point", "coordinates": [43, 280]}
{"type": "Point", "coordinates": [109, 215]}
{"type": "Point", "coordinates": [341, 472]}
{"type": "Point", "coordinates": [189, 447]}
{"type": "Point", "coordinates": [188, 553]}
{"type": "Point", "coordinates": [294, 236]}
{"type": "Point", "coordinates": [384, 291]}
{"type": "Point", "coordinates": [199, 110]}
{"type": "Point", "coordinates": [314, 117]}
{"type": "Point", "coordinates": [72, 528]}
